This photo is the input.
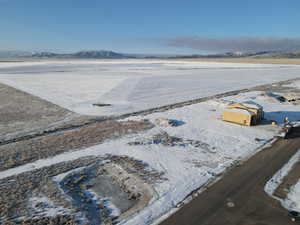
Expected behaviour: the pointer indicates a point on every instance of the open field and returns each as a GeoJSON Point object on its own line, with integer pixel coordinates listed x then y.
{"type": "Point", "coordinates": [72, 175]}
{"type": "Point", "coordinates": [287, 61]}
{"type": "Point", "coordinates": [114, 87]}
{"type": "Point", "coordinates": [196, 152]}
{"type": "Point", "coordinates": [21, 113]}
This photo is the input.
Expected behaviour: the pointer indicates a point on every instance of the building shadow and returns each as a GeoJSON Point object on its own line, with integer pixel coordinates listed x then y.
{"type": "Point", "coordinates": [176, 123]}
{"type": "Point", "coordinates": [279, 116]}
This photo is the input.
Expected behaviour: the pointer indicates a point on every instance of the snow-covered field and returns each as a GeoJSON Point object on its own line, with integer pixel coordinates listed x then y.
{"type": "Point", "coordinates": [186, 167]}
{"type": "Point", "coordinates": [133, 85]}
{"type": "Point", "coordinates": [292, 202]}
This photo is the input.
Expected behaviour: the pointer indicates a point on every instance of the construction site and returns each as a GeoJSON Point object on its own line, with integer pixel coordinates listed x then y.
{"type": "Point", "coordinates": [139, 157]}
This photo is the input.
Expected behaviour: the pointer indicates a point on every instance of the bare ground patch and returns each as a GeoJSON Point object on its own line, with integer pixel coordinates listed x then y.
{"type": "Point", "coordinates": [21, 113]}
{"type": "Point", "coordinates": [288, 181]}
{"type": "Point", "coordinates": [78, 191]}
{"type": "Point", "coordinates": [23, 152]}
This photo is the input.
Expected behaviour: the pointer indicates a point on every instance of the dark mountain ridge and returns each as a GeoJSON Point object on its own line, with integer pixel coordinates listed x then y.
{"type": "Point", "coordinates": [103, 54]}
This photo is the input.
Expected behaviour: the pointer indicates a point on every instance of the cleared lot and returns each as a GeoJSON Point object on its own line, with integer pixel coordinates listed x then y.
{"type": "Point", "coordinates": [197, 151]}
{"type": "Point", "coordinates": [174, 161]}
{"type": "Point", "coordinates": [21, 113]}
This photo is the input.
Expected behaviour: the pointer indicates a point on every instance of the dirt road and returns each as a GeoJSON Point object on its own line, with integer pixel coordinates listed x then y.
{"type": "Point", "coordinates": [244, 187]}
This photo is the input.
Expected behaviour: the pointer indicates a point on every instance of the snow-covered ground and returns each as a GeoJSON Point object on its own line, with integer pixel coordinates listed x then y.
{"type": "Point", "coordinates": [186, 167]}
{"type": "Point", "coordinates": [292, 202]}
{"type": "Point", "coordinates": [277, 179]}
{"type": "Point", "coordinates": [133, 85]}
{"type": "Point", "coordinates": [41, 206]}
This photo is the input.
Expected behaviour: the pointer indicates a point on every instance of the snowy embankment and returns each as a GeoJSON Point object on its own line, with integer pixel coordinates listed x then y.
{"type": "Point", "coordinates": [292, 202]}
{"type": "Point", "coordinates": [134, 85]}
{"type": "Point", "coordinates": [207, 147]}
{"type": "Point", "coordinates": [277, 179]}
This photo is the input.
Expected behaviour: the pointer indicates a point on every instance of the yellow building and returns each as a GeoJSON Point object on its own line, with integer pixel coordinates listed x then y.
{"type": "Point", "coordinates": [246, 113]}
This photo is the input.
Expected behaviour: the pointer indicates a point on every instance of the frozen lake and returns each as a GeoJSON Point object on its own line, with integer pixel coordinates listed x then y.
{"type": "Point", "coordinates": [133, 85]}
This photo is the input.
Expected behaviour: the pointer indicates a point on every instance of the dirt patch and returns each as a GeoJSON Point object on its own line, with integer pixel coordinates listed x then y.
{"type": "Point", "coordinates": [165, 139]}
{"type": "Point", "coordinates": [92, 188]}
{"type": "Point", "coordinates": [138, 190]}
{"type": "Point", "coordinates": [78, 191]}
{"type": "Point", "coordinates": [16, 191]}
{"type": "Point", "coordinates": [23, 152]}
{"type": "Point", "coordinates": [21, 113]}
{"type": "Point", "coordinates": [279, 87]}
{"type": "Point", "coordinates": [59, 220]}
{"type": "Point", "coordinates": [288, 181]}
{"type": "Point", "coordinates": [101, 104]}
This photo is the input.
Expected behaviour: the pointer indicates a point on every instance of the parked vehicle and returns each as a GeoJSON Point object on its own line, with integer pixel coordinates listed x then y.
{"type": "Point", "coordinates": [295, 216]}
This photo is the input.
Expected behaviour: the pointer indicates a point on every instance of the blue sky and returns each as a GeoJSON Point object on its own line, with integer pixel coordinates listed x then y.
{"type": "Point", "coordinates": [140, 26]}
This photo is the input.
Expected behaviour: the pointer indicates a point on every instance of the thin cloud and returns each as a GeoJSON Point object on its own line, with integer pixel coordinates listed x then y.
{"type": "Point", "coordinates": [235, 44]}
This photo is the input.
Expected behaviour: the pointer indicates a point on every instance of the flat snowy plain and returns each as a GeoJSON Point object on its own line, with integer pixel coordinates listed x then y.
{"type": "Point", "coordinates": [133, 85]}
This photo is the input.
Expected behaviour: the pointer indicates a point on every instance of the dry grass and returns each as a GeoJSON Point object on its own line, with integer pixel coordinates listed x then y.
{"type": "Point", "coordinates": [246, 60]}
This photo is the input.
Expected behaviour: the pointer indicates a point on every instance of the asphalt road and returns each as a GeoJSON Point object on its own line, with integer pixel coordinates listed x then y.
{"type": "Point", "coordinates": [244, 187]}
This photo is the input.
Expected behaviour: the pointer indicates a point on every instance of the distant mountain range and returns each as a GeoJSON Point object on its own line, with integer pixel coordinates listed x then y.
{"type": "Point", "coordinates": [82, 54]}
{"type": "Point", "coordinates": [103, 54]}
{"type": "Point", "coordinates": [14, 54]}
